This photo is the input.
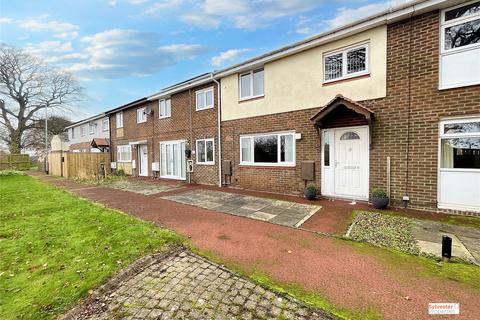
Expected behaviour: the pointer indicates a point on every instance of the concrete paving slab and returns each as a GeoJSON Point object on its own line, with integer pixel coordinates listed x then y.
{"type": "Point", "coordinates": [262, 216]}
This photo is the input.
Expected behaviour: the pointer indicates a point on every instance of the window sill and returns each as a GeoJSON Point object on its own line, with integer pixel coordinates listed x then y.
{"type": "Point", "coordinates": [208, 108]}
{"type": "Point", "coordinates": [124, 161]}
{"type": "Point", "coordinates": [141, 122]}
{"type": "Point", "coordinates": [251, 99]}
{"type": "Point", "coordinates": [458, 85]}
{"type": "Point", "coordinates": [266, 166]}
{"type": "Point", "coordinates": [333, 82]}
{"type": "Point", "coordinates": [160, 118]}
{"type": "Point", "coordinates": [205, 163]}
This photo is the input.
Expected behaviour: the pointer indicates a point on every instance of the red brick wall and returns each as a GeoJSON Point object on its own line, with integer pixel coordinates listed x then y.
{"type": "Point", "coordinates": [185, 123]}
{"type": "Point", "coordinates": [399, 131]}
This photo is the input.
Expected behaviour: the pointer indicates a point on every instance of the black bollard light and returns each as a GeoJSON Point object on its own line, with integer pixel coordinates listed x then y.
{"type": "Point", "coordinates": [446, 247]}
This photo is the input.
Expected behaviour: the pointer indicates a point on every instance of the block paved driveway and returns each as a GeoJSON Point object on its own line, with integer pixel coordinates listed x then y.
{"type": "Point", "coordinates": [286, 213]}
{"type": "Point", "coordinates": [182, 285]}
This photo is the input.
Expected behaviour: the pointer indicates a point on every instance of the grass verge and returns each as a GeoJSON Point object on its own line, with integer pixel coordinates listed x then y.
{"type": "Point", "coordinates": [55, 247]}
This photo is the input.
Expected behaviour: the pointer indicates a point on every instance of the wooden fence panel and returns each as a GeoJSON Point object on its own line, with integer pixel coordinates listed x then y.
{"type": "Point", "coordinates": [55, 165]}
{"type": "Point", "coordinates": [15, 162]}
{"type": "Point", "coordinates": [86, 164]}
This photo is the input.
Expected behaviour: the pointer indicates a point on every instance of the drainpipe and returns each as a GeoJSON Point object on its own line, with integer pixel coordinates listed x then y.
{"type": "Point", "coordinates": [219, 134]}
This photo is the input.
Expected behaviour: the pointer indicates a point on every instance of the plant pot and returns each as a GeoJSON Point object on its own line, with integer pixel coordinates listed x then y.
{"type": "Point", "coordinates": [380, 203]}
{"type": "Point", "coordinates": [310, 194]}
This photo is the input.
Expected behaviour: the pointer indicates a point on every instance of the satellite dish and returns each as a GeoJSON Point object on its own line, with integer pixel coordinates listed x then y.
{"type": "Point", "coordinates": [148, 110]}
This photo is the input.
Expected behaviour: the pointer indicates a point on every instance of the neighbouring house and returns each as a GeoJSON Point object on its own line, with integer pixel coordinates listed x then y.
{"type": "Point", "coordinates": [59, 143]}
{"type": "Point", "coordinates": [171, 134]}
{"type": "Point", "coordinates": [390, 101]}
{"type": "Point", "coordinates": [90, 135]}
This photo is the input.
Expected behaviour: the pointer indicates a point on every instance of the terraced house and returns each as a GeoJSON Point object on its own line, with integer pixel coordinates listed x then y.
{"type": "Point", "coordinates": [171, 134]}
{"type": "Point", "coordinates": [89, 135]}
{"type": "Point", "coordinates": [391, 101]}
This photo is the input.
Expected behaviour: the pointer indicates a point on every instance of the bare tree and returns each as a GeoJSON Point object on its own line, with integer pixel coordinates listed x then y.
{"type": "Point", "coordinates": [28, 86]}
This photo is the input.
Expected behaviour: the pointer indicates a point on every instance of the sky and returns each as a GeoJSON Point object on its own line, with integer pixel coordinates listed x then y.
{"type": "Point", "coordinates": [123, 50]}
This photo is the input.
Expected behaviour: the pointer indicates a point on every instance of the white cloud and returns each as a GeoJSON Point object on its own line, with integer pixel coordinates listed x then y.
{"type": "Point", "coordinates": [225, 56]}
{"type": "Point", "coordinates": [161, 6]}
{"type": "Point", "coordinates": [122, 52]}
{"type": "Point", "coordinates": [43, 25]}
{"type": "Point", "coordinates": [245, 14]}
{"type": "Point", "coordinates": [348, 15]}
{"type": "Point", "coordinates": [134, 2]}
{"type": "Point", "coordinates": [5, 20]}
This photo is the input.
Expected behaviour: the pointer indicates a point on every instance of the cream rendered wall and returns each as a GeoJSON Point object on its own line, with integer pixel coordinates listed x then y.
{"type": "Point", "coordinates": [295, 82]}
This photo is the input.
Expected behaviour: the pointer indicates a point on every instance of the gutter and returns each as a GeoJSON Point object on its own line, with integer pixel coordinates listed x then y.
{"type": "Point", "coordinates": [219, 134]}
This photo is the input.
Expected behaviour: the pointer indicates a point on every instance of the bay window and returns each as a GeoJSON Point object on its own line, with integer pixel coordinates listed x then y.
{"type": "Point", "coordinates": [268, 149]}
{"type": "Point", "coordinates": [205, 151]}
{"type": "Point", "coordinates": [252, 84]}
{"type": "Point", "coordinates": [124, 153]}
{"type": "Point", "coordinates": [347, 63]}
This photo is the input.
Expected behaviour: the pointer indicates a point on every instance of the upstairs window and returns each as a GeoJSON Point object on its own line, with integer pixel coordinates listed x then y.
{"type": "Point", "coordinates": [165, 107]}
{"type": "Point", "coordinates": [141, 115]}
{"type": "Point", "coordinates": [204, 99]}
{"type": "Point", "coordinates": [73, 133]}
{"type": "Point", "coordinates": [82, 131]}
{"type": "Point", "coordinates": [346, 64]}
{"type": "Point", "coordinates": [119, 119]}
{"type": "Point", "coordinates": [460, 46]}
{"type": "Point", "coordinates": [92, 126]}
{"type": "Point", "coordinates": [205, 151]}
{"type": "Point", "coordinates": [105, 124]}
{"type": "Point", "coordinates": [461, 27]}
{"type": "Point", "coordinates": [252, 84]}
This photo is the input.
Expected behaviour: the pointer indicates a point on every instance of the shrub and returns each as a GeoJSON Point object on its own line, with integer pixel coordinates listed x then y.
{"type": "Point", "coordinates": [311, 187]}
{"type": "Point", "coordinates": [119, 172]}
{"type": "Point", "coordinates": [5, 173]}
{"type": "Point", "coordinates": [379, 193]}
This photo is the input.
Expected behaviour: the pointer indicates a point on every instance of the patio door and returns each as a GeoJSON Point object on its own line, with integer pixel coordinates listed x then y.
{"type": "Point", "coordinates": [143, 160]}
{"type": "Point", "coordinates": [345, 162]}
{"type": "Point", "coordinates": [172, 160]}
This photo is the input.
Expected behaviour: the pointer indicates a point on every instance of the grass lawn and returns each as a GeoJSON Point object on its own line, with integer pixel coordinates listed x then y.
{"type": "Point", "coordinates": [55, 247]}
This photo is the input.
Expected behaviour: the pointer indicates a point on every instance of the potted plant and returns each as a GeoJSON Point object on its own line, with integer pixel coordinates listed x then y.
{"type": "Point", "coordinates": [310, 192]}
{"type": "Point", "coordinates": [380, 198]}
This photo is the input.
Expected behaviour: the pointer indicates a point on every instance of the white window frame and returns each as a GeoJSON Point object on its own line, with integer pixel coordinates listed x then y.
{"type": "Point", "coordinates": [206, 162]}
{"type": "Point", "coordinates": [443, 135]}
{"type": "Point", "coordinates": [82, 131]}
{"type": "Point", "coordinates": [204, 91]}
{"type": "Point", "coordinates": [344, 52]}
{"type": "Point", "coordinates": [107, 122]}
{"type": "Point", "coordinates": [160, 116]}
{"type": "Point", "coordinates": [119, 120]}
{"type": "Point", "coordinates": [73, 133]}
{"type": "Point", "coordinates": [143, 118]}
{"type": "Point", "coordinates": [446, 24]}
{"type": "Point", "coordinates": [91, 127]}
{"type": "Point", "coordinates": [269, 164]}
{"type": "Point", "coordinates": [126, 146]}
{"type": "Point", "coordinates": [252, 96]}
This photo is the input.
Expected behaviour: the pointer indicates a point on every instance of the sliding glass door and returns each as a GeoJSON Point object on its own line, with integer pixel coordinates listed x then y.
{"type": "Point", "coordinates": [172, 160]}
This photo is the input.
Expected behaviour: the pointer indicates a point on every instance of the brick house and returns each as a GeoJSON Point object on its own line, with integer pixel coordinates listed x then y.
{"type": "Point", "coordinates": [171, 134]}
{"type": "Point", "coordinates": [391, 101]}
{"type": "Point", "coordinates": [89, 135]}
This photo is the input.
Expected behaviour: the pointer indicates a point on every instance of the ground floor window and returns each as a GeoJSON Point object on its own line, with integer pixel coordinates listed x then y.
{"type": "Point", "coordinates": [172, 160]}
{"type": "Point", "coordinates": [268, 149]}
{"type": "Point", "coordinates": [205, 151]}
{"type": "Point", "coordinates": [124, 153]}
{"type": "Point", "coordinates": [459, 164]}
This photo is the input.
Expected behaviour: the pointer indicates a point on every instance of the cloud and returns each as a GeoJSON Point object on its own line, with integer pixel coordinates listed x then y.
{"type": "Point", "coordinates": [243, 14]}
{"type": "Point", "coordinates": [134, 2]}
{"type": "Point", "coordinates": [5, 20]}
{"type": "Point", "coordinates": [160, 6]}
{"type": "Point", "coordinates": [42, 25]}
{"type": "Point", "coordinates": [225, 56]}
{"type": "Point", "coordinates": [348, 15]}
{"type": "Point", "coordinates": [120, 53]}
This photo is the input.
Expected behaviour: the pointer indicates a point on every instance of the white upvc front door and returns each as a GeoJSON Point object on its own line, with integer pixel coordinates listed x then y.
{"type": "Point", "coordinates": [172, 160]}
{"type": "Point", "coordinates": [143, 160]}
{"type": "Point", "coordinates": [346, 172]}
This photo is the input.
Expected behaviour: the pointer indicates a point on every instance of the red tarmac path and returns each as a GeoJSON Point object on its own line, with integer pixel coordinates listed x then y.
{"type": "Point", "coordinates": [333, 268]}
